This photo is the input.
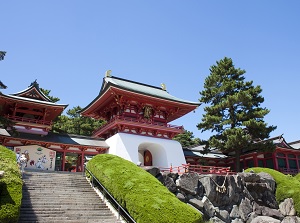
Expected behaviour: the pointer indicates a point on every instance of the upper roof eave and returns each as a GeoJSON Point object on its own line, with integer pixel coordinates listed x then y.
{"type": "Point", "coordinates": [108, 82]}
{"type": "Point", "coordinates": [34, 100]}
{"type": "Point", "coordinates": [34, 85]}
{"type": "Point", "coordinates": [145, 89]}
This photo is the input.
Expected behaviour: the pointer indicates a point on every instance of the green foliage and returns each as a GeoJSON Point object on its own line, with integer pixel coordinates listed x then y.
{"type": "Point", "coordinates": [5, 122]}
{"type": "Point", "coordinates": [10, 187]}
{"type": "Point", "coordinates": [233, 110]}
{"type": "Point", "coordinates": [145, 198]}
{"type": "Point", "coordinates": [287, 186]}
{"type": "Point", "coordinates": [187, 139]}
{"type": "Point", "coordinates": [2, 55]}
{"type": "Point", "coordinates": [47, 93]}
{"type": "Point", "coordinates": [297, 177]}
{"type": "Point", "coordinates": [74, 123]}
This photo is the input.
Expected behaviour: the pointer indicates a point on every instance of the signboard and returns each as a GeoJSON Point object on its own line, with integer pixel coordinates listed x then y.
{"type": "Point", "coordinates": [38, 157]}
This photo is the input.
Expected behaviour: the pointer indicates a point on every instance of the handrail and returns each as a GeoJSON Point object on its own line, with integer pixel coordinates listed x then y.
{"type": "Point", "coordinates": [114, 202]}
{"type": "Point", "coordinates": [30, 120]}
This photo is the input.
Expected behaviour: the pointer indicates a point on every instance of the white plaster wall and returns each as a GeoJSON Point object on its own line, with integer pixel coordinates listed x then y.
{"type": "Point", "coordinates": [131, 147]}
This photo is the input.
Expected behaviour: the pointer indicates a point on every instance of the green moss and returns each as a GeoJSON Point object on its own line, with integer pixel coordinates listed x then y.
{"type": "Point", "coordinates": [10, 187]}
{"type": "Point", "coordinates": [145, 198]}
{"type": "Point", "coordinates": [287, 186]}
{"type": "Point", "coordinates": [297, 177]}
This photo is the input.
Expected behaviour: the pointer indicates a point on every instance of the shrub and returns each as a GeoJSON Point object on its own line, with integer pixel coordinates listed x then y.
{"type": "Point", "coordinates": [10, 187]}
{"type": "Point", "coordinates": [145, 198]}
{"type": "Point", "coordinates": [287, 186]}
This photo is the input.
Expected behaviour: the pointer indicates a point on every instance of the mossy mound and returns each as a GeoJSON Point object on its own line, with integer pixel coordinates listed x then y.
{"type": "Point", "coordinates": [145, 198]}
{"type": "Point", "coordinates": [287, 186]}
{"type": "Point", "coordinates": [10, 187]}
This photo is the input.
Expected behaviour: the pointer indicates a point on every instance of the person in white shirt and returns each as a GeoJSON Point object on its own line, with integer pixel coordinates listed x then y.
{"type": "Point", "coordinates": [23, 161]}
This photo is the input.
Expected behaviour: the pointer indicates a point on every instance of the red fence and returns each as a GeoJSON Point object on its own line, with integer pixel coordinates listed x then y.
{"type": "Point", "coordinates": [187, 168]}
{"type": "Point", "coordinates": [289, 171]}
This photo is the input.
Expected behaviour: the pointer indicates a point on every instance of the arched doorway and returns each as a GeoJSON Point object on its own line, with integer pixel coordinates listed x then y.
{"type": "Point", "coordinates": [147, 158]}
{"type": "Point", "coordinates": [152, 154]}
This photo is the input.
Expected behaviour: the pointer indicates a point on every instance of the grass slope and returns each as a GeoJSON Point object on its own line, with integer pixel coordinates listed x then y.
{"type": "Point", "coordinates": [145, 198]}
{"type": "Point", "coordinates": [10, 187]}
{"type": "Point", "coordinates": [287, 186]}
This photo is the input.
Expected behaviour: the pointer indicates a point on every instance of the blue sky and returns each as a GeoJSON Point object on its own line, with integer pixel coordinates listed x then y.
{"type": "Point", "coordinates": [68, 45]}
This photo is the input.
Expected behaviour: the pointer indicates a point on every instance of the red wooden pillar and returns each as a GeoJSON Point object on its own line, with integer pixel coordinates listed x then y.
{"type": "Point", "coordinates": [287, 161]}
{"type": "Point", "coordinates": [82, 161]}
{"type": "Point", "coordinates": [255, 161]}
{"type": "Point", "coordinates": [275, 161]}
{"type": "Point", "coordinates": [15, 110]}
{"type": "Point", "coordinates": [63, 161]}
{"type": "Point", "coordinates": [45, 113]}
{"type": "Point", "coordinates": [297, 161]}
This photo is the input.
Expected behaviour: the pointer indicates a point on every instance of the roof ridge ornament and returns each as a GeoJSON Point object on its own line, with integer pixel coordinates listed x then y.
{"type": "Point", "coordinates": [108, 73]}
{"type": "Point", "coordinates": [34, 84]}
{"type": "Point", "coordinates": [163, 86]}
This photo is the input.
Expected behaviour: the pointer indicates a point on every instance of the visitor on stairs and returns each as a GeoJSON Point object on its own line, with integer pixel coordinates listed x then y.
{"type": "Point", "coordinates": [23, 161]}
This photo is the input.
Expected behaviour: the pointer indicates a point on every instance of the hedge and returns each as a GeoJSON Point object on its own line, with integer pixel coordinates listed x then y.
{"type": "Point", "coordinates": [10, 187]}
{"type": "Point", "coordinates": [144, 197]}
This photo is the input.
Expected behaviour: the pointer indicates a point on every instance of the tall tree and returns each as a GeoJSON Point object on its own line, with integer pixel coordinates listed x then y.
{"type": "Point", "coordinates": [47, 93]}
{"type": "Point", "coordinates": [234, 111]}
{"type": "Point", "coordinates": [187, 139]}
{"type": "Point", "coordinates": [4, 122]}
{"type": "Point", "coordinates": [74, 123]}
{"type": "Point", "coordinates": [2, 55]}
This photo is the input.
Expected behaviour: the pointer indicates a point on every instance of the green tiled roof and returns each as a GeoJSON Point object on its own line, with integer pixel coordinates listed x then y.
{"type": "Point", "coordinates": [63, 139]}
{"type": "Point", "coordinates": [143, 89]}
{"type": "Point", "coordinates": [34, 100]}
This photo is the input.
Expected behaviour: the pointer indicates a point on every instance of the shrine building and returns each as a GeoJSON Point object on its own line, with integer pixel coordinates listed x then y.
{"type": "Point", "coordinates": [137, 121]}
{"type": "Point", "coordinates": [137, 126]}
{"type": "Point", "coordinates": [32, 114]}
{"type": "Point", "coordinates": [285, 158]}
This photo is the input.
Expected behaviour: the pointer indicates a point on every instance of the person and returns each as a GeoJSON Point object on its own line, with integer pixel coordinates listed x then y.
{"type": "Point", "coordinates": [18, 158]}
{"type": "Point", "coordinates": [23, 161]}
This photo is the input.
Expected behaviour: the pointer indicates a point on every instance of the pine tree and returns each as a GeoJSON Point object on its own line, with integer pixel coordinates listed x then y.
{"type": "Point", "coordinates": [2, 55]}
{"type": "Point", "coordinates": [234, 111]}
{"type": "Point", "coordinates": [74, 123]}
{"type": "Point", "coordinates": [187, 139]}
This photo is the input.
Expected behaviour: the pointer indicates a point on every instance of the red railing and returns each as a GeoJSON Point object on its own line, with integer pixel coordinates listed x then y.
{"type": "Point", "coordinates": [188, 168]}
{"type": "Point", "coordinates": [135, 120]}
{"type": "Point", "coordinates": [289, 171]}
{"type": "Point", "coordinates": [28, 120]}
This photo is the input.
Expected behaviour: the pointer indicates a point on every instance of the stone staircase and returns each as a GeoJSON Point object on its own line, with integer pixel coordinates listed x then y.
{"type": "Point", "coordinates": [61, 197]}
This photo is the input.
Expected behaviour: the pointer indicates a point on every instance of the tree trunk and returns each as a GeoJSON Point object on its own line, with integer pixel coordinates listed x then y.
{"type": "Point", "coordinates": [237, 160]}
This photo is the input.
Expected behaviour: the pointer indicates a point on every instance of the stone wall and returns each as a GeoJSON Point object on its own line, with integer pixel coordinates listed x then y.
{"type": "Point", "coordinates": [245, 197]}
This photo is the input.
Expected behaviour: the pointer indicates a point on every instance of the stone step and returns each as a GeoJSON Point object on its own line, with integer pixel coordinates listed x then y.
{"type": "Point", "coordinates": [81, 206]}
{"type": "Point", "coordinates": [67, 213]}
{"type": "Point", "coordinates": [58, 189]}
{"type": "Point", "coordinates": [90, 220]}
{"type": "Point", "coordinates": [63, 208]}
{"type": "Point", "coordinates": [52, 183]}
{"type": "Point", "coordinates": [61, 203]}
{"type": "Point", "coordinates": [58, 193]}
{"type": "Point", "coordinates": [61, 197]}
{"type": "Point", "coordinates": [47, 218]}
